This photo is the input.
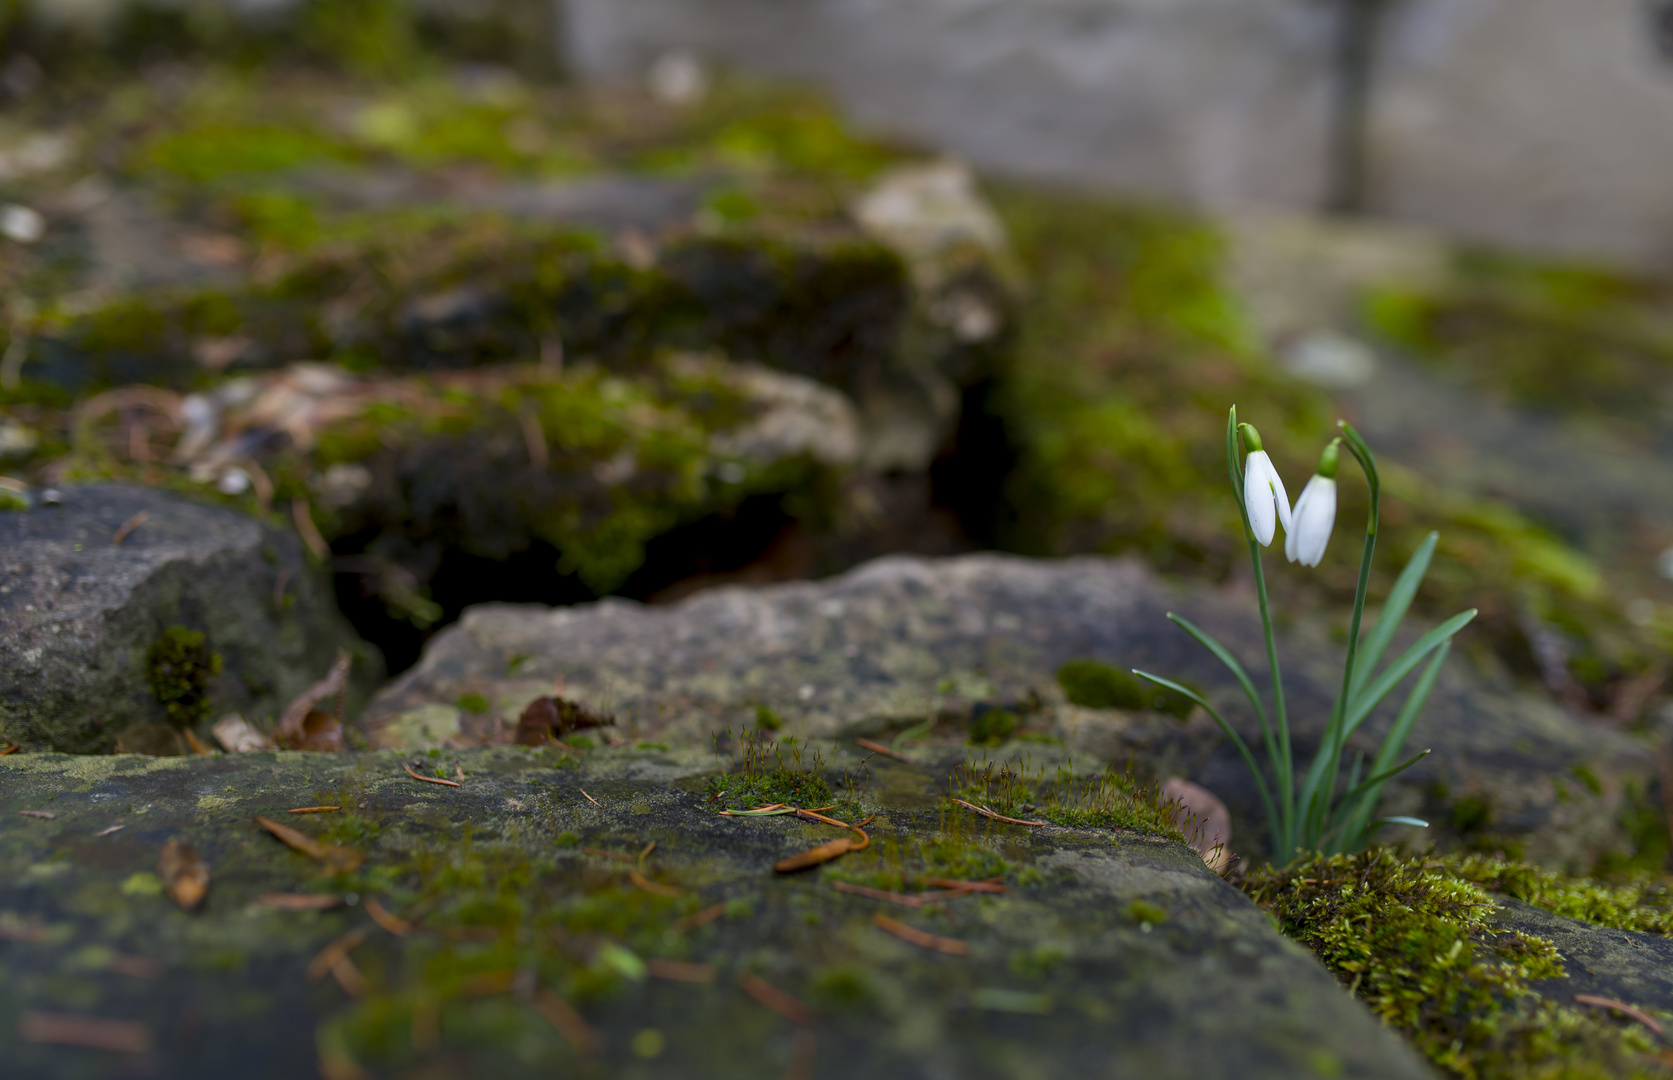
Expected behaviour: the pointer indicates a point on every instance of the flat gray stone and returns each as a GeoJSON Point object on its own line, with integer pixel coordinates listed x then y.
{"type": "Point", "coordinates": [78, 613]}
{"type": "Point", "coordinates": [517, 906]}
{"type": "Point", "coordinates": [901, 640]}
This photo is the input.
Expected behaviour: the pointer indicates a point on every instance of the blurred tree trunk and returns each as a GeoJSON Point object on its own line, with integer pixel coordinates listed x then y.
{"type": "Point", "coordinates": [1347, 151]}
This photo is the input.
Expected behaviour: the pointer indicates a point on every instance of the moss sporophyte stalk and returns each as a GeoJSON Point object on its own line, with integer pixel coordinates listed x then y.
{"type": "Point", "coordinates": [1312, 814]}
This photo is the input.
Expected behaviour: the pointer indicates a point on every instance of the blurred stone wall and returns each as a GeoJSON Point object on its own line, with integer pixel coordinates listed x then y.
{"type": "Point", "coordinates": [1540, 124]}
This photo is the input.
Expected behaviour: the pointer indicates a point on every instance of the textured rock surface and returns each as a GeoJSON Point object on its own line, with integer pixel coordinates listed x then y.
{"type": "Point", "coordinates": [1616, 964]}
{"type": "Point", "coordinates": [1061, 977]}
{"type": "Point", "coordinates": [902, 640]}
{"type": "Point", "coordinates": [78, 613]}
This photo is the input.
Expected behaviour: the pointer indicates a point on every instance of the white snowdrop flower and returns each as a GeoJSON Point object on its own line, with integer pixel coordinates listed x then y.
{"type": "Point", "coordinates": [1315, 513]}
{"type": "Point", "coordinates": [1263, 492]}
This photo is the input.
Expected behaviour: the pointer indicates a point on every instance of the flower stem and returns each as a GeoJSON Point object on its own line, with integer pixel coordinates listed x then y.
{"type": "Point", "coordinates": [1283, 831]}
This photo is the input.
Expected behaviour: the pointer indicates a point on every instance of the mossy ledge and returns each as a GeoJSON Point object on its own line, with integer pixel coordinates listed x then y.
{"type": "Point", "coordinates": [1416, 940]}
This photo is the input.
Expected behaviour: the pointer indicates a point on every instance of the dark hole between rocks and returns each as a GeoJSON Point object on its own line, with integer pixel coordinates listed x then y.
{"type": "Point", "coordinates": [958, 505]}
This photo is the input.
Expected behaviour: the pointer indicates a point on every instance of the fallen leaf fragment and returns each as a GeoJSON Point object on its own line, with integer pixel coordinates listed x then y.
{"type": "Point", "coordinates": [185, 875]}
{"type": "Point", "coordinates": [993, 886]}
{"type": "Point", "coordinates": [327, 957]}
{"type": "Point", "coordinates": [569, 1023]}
{"type": "Point", "coordinates": [290, 901]}
{"type": "Point", "coordinates": [803, 1046]}
{"type": "Point", "coordinates": [350, 978]}
{"type": "Point", "coordinates": [12, 749]}
{"type": "Point", "coordinates": [289, 731]}
{"type": "Point", "coordinates": [196, 743]}
{"type": "Point", "coordinates": [824, 853]}
{"type": "Point", "coordinates": [786, 1005]}
{"type": "Point", "coordinates": [44, 815]}
{"type": "Point", "coordinates": [547, 718]}
{"type": "Point", "coordinates": [653, 887]}
{"type": "Point", "coordinates": [698, 918]}
{"type": "Point", "coordinates": [985, 812]}
{"type": "Point", "coordinates": [1621, 1007]}
{"type": "Point", "coordinates": [138, 967]}
{"type": "Point", "coordinates": [428, 779]}
{"type": "Point", "coordinates": [879, 748]}
{"type": "Point", "coordinates": [109, 830]}
{"type": "Point", "coordinates": [313, 809]}
{"type": "Point", "coordinates": [921, 938]}
{"type": "Point", "coordinates": [383, 917]}
{"type": "Point", "coordinates": [680, 971]}
{"type": "Point", "coordinates": [237, 736]}
{"type": "Point", "coordinates": [590, 799]}
{"type": "Point", "coordinates": [126, 529]}
{"type": "Point", "coordinates": [339, 859]}
{"type": "Point", "coordinates": [121, 1036]}
{"type": "Point", "coordinates": [879, 894]}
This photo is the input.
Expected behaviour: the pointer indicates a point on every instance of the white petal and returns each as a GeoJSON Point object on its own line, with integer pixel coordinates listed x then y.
{"type": "Point", "coordinates": [1257, 495]}
{"type": "Point", "coordinates": [1315, 518]}
{"type": "Point", "coordinates": [1283, 498]}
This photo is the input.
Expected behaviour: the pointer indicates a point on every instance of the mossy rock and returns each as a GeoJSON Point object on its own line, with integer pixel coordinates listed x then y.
{"type": "Point", "coordinates": [534, 919]}
{"type": "Point", "coordinates": [914, 651]}
{"type": "Point", "coordinates": [123, 607]}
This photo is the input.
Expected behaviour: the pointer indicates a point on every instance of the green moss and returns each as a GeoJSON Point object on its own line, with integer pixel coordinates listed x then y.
{"type": "Point", "coordinates": [1414, 941]}
{"type": "Point", "coordinates": [1116, 799]}
{"type": "Point", "coordinates": [1096, 685]}
{"type": "Point", "coordinates": [1645, 907]}
{"type": "Point", "coordinates": [991, 727]}
{"type": "Point", "coordinates": [845, 988]}
{"type": "Point", "coordinates": [767, 720]}
{"type": "Point", "coordinates": [473, 703]}
{"type": "Point", "coordinates": [1586, 776]}
{"type": "Point", "coordinates": [765, 777]}
{"type": "Point", "coordinates": [1143, 911]}
{"type": "Point", "coordinates": [1472, 814]}
{"type": "Point", "coordinates": [178, 666]}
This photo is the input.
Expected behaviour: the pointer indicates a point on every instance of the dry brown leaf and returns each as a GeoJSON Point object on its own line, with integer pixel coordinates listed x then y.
{"type": "Point", "coordinates": [787, 1006]}
{"type": "Point", "coordinates": [824, 853]}
{"type": "Point", "coordinates": [121, 1036]}
{"type": "Point", "coordinates": [300, 901]}
{"type": "Point", "coordinates": [698, 918]}
{"type": "Point", "coordinates": [196, 744]}
{"type": "Point", "coordinates": [321, 733]}
{"type": "Point", "coordinates": [383, 917]}
{"type": "Point", "coordinates": [569, 1023]}
{"type": "Point", "coordinates": [290, 729]}
{"type": "Point", "coordinates": [44, 815]}
{"type": "Point", "coordinates": [185, 875]}
{"type": "Point", "coordinates": [138, 967]}
{"type": "Point", "coordinates": [679, 970]}
{"type": "Point", "coordinates": [338, 859]}
{"type": "Point", "coordinates": [921, 938]}
{"type": "Point", "coordinates": [327, 957]}
{"type": "Point", "coordinates": [652, 887]}
{"type": "Point", "coordinates": [556, 717]}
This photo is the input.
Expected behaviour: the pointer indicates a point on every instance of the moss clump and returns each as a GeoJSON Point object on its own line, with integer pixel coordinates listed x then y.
{"type": "Point", "coordinates": [1096, 685]}
{"type": "Point", "coordinates": [179, 665]}
{"type": "Point", "coordinates": [766, 778]}
{"type": "Point", "coordinates": [990, 727]}
{"type": "Point", "coordinates": [1644, 907]}
{"type": "Point", "coordinates": [1147, 913]}
{"type": "Point", "coordinates": [1413, 939]}
{"type": "Point", "coordinates": [767, 720]}
{"type": "Point", "coordinates": [1116, 799]}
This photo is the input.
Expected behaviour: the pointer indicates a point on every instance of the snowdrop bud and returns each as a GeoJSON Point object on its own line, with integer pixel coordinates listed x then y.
{"type": "Point", "coordinates": [1315, 512]}
{"type": "Point", "coordinates": [1263, 492]}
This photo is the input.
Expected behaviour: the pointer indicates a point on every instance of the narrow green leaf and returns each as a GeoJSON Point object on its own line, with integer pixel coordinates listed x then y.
{"type": "Point", "coordinates": [1397, 820]}
{"type": "Point", "coordinates": [1394, 611]}
{"type": "Point", "coordinates": [1237, 740]}
{"type": "Point", "coordinates": [1383, 777]}
{"type": "Point", "coordinates": [1372, 695]}
{"type": "Point", "coordinates": [1242, 676]}
{"type": "Point", "coordinates": [1398, 732]}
